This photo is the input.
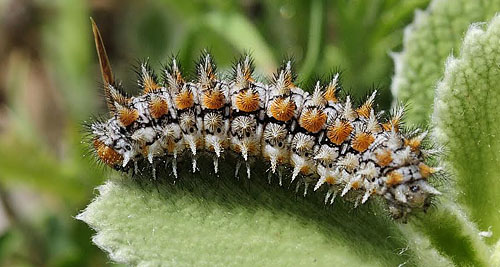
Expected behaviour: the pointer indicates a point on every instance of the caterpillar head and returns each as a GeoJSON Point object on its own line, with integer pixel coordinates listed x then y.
{"type": "Point", "coordinates": [111, 146]}
{"type": "Point", "coordinates": [408, 189]}
{"type": "Point", "coordinates": [403, 198]}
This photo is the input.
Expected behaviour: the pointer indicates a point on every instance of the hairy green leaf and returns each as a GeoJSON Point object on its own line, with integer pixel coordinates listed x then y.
{"type": "Point", "coordinates": [450, 232]}
{"type": "Point", "coordinates": [435, 34]}
{"type": "Point", "coordinates": [467, 108]}
{"type": "Point", "coordinates": [219, 221]}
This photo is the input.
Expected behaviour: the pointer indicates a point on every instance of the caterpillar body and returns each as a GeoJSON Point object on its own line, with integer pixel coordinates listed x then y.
{"type": "Point", "coordinates": [316, 139]}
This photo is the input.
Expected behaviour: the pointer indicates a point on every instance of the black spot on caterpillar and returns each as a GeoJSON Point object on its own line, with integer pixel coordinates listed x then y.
{"type": "Point", "coordinates": [313, 139]}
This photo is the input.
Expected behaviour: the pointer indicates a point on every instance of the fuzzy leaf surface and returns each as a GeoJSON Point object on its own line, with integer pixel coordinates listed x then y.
{"type": "Point", "coordinates": [218, 221]}
{"type": "Point", "coordinates": [435, 34]}
{"type": "Point", "coordinates": [467, 108]}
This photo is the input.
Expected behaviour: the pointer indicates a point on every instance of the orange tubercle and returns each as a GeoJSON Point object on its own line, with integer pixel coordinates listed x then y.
{"type": "Point", "coordinates": [339, 132]}
{"type": "Point", "coordinates": [413, 143]}
{"type": "Point", "coordinates": [393, 123]}
{"type": "Point", "coordinates": [184, 99]}
{"type": "Point", "coordinates": [247, 101]}
{"type": "Point", "coordinates": [362, 141]}
{"type": "Point", "coordinates": [150, 85]}
{"type": "Point", "coordinates": [356, 185]}
{"type": "Point", "coordinates": [384, 158]}
{"type": "Point", "coordinates": [330, 180]}
{"type": "Point", "coordinates": [394, 178]}
{"type": "Point", "coordinates": [236, 148]}
{"type": "Point", "coordinates": [158, 107]}
{"type": "Point", "coordinates": [425, 170]}
{"type": "Point", "coordinates": [213, 99]}
{"type": "Point", "coordinates": [145, 150]}
{"type": "Point", "coordinates": [330, 93]}
{"type": "Point", "coordinates": [108, 155]}
{"type": "Point", "coordinates": [305, 170]}
{"type": "Point", "coordinates": [364, 110]}
{"type": "Point", "coordinates": [252, 148]}
{"type": "Point", "coordinates": [282, 109]}
{"type": "Point", "coordinates": [127, 116]}
{"type": "Point", "coordinates": [247, 73]}
{"type": "Point", "coordinates": [199, 142]}
{"type": "Point", "coordinates": [312, 120]}
{"type": "Point", "coordinates": [178, 78]}
{"type": "Point", "coordinates": [171, 145]}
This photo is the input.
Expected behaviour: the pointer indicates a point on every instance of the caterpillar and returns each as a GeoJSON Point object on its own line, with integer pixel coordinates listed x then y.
{"type": "Point", "coordinates": [315, 138]}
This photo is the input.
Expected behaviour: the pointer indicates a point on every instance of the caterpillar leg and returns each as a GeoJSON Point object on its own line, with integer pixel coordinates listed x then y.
{"type": "Point", "coordinates": [216, 164]}
{"type": "Point", "coordinates": [370, 190]}
{"type": "Point", "coordinates": [353, 182]}
{"type": "Point", "coordinates": [280, 176]}
{"type": "Point", "coordinates": [333, 197]}
{"type": "Point", "coordinates": [237, 169]}
{"type": "Point", "coordinates": [320, 182]}
{"type": "Point", "coordinates": [136, 168]}
{"type": "Point", "coordinates": [306, 186]}
{"type": "Point", "coordinates": [153, 166]}
{"type": "Point", "coordinates": [331, 193]}
{"type": "Point", "coordinates": [296, 171]}
{"type": "Point", "coordinates": [248, 169]}
{"type": "Point", "coordinates": [297, 187]}
{"type": "Point", "coordinates": [357, 202]}
{"type": "Point", "coordinates": [274, 163]}
{"type": "Point", "coordinates": [174, 167]}
{"type": "Point", "coordinates": [194, 163]}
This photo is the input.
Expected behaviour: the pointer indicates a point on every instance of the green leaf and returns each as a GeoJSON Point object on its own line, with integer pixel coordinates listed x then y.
{"type": "Point", "coordinates": [225, 221]}
{"type": "Point", "coordinates": [449, 231]}
{"type": "Point", "coordinates": [435, 34]}
{"type": "Point", "coordinates": [467, 108]}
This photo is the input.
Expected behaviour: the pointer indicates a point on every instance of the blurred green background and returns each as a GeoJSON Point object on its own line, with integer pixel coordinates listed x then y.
{"type": "Point", "coordinates": [50, 85]}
